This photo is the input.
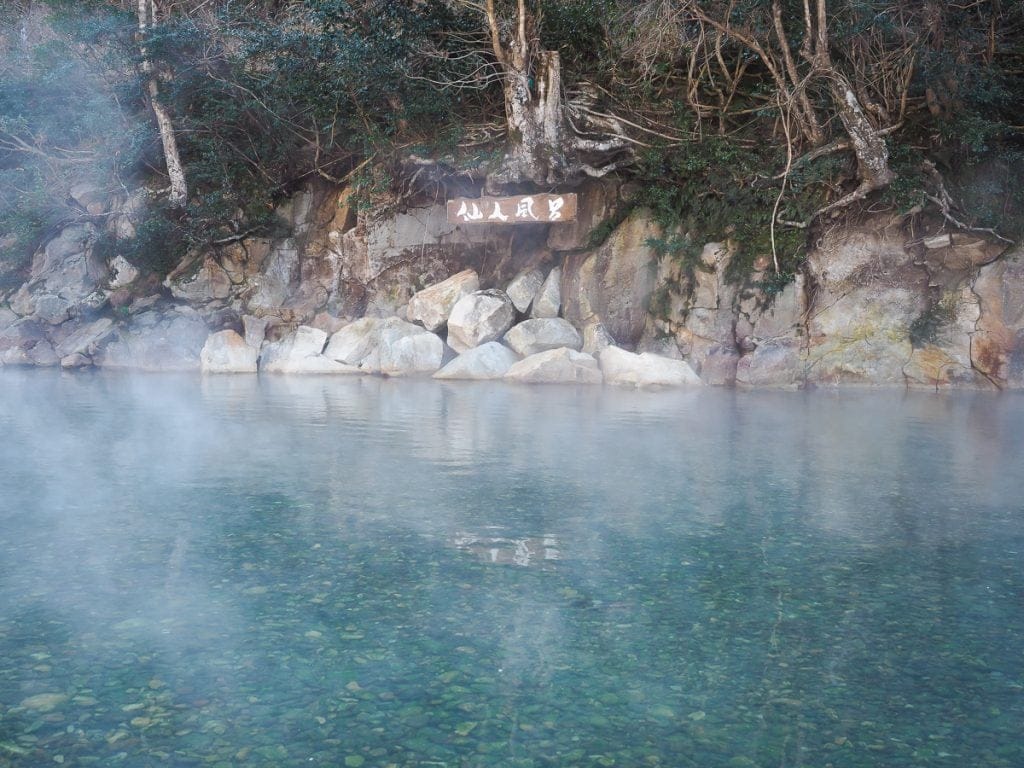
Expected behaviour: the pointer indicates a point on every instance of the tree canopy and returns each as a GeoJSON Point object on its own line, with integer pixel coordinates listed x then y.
{"type": "Point", "coordinates": [759, 120]}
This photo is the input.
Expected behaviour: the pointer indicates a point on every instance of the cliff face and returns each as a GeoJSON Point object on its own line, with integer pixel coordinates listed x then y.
{"type": "Point", "coordinates": [875, 304]}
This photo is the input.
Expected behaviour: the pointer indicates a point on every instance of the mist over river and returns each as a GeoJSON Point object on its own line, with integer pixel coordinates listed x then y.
{"type": "Point", "coordinates": [357, 571]}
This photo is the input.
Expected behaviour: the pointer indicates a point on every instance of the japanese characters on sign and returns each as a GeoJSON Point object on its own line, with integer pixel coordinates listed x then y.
{"type": "Point", "coordinates": [521, 209]}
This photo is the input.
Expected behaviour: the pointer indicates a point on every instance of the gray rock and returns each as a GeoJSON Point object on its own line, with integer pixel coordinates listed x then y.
{"type": "Point", "coordinates": [83, 340]}
{"type": "Point", "coordinates": [153, 341]}
{"type": "Point", "coordinates": [62, 276]}
{"type": "Point", "coordinates": [548, 301]}
{"type": "Point", "coordinates": [278, 277]}
{"type": "Point", "coordinates": [431, 306]}
{"type": "Point", "coordinates": [255, 330]}
{"type": "Point", "coordinates": [300, 352]}
{"type": "Point", "coordinates": [613, 285]}
{"type": "Point", "coordinates": [207, 283]}
{"type": "Point", "coordinates": [227, 352]}
{"type": "Point", "coordinates": [623, 368]}
{"type": "Point", "coordinates": [522, 290]}
{"type": "Point", "coordinates": [533, 336]}
{"type": "Point", "coordinates": [52, 309]}
{"type": "Point", "coordinates": [556, 366]}
{"type": "Point", "coordinates": [596, 338]}
{"type": "Point", "coordinates": [25, 343]}
{"type": "Point", "coordinates": [408, 350]}
{"type": "Point", "coordinates": [7, 318]}
{"type": "Point", "coordinates": [478, 318]}
{"type": "Point", "coordinates": [488, 361]}
{"type": "Point", "coordinates": [353, 343]}
{"type": "Point", "coordinates": [719, 366]}
{"type": "Point", "coordinates": [778, 363]}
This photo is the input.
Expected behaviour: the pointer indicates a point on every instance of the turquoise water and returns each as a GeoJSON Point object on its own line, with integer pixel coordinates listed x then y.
{"type": "Point", "coordinates": [363, 572]}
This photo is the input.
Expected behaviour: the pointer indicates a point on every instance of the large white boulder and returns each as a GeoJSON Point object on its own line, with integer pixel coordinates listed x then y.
{"type": "Point", "coordinates": [522, 290]}
{"type": "Point", "coordinates": [390, 346]}
{"type": "Point", "coordinates": [354, 343]}
{"type": "Point", "coordinates": [556, 366]}
{"type": "Point", "coordinates": [407, 350]}
{"type": "Point", "coordinates": [541, 334]}
{"type": "Point", "coordinates": [624, 368]}
{"type": "Point", "coordinates": [431, 306]}
{"type": "Point", "coordinates": [227, 352]}
{"type": "Point", "coordinates": [548, 300]}
{"type": "Point", "coordinates": [488, 361]}
{"type": "Point", "coordinates": [300, 352]}
{"type": "Point", "coordinates": [478, 318]}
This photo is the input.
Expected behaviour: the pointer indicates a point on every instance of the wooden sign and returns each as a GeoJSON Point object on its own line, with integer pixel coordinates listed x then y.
{"type": "Point", "coordinates": [520, 209]}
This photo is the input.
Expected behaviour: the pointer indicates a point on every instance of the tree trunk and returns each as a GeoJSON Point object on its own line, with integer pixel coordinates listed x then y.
{"type": "Point", "coordinates": [179, 188]}
{"type": "Point", "coordinates": [535, 121]}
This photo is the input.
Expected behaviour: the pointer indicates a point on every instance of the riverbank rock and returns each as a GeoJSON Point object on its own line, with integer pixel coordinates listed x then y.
{"type": "Point", "coordinates": [353, 344]}
{"type": "Point", "coordinates": [299, 352]}
{"type": "Point", "coordinates": [779, 363]}
{"type": "Point", "coordinates": [24, 343]}
{"type": "Point", "coordinates": [390, 346]}
{"type": "Point", "coordinates": [64, 278]}
{"type": "Point", "coordinates": [488, 361]}
{"type": "Point", "coordinates": [997, 348]}
{"type": "Point", "coordinates": [431, 306]}
{"type": "Point", "coordinates": [533, 336]}
{"type": "Point", "coordinates": [478, 318]}
{"type": "Point", "coordinates": [76, 342]}
{"type": "Point", "coordinates": [613, 284]}
{"type": "Point", "coordinates": [227, 352]}
{"type": "Point", "coordinates": [406, 350]}
{"type": "Point", "coordinates": [623, 368]}
{"type": "Point", "coordinates": [556, 366]}
{"type": "Point", "coordinates": [548, 301]}
{"type": "Point", "coordinates": [522, 290]}
{"type": "Point", "coordinates": [154, 341]}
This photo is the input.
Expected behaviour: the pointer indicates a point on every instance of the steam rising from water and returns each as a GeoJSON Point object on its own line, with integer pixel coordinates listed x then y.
{"type": "Point", "coordinates": [226, 531]}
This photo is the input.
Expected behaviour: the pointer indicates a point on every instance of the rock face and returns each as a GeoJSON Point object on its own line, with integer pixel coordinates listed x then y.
{"type": "Point", "coordinates": [556, 366]}
{"type": "Point", "coordinates": [624, 368]}
{"type": "Point", "coordinates": [522, 290]}
{"type": "Point", "coordinates": [208, 282]}
{"type": "Point", "coordinates": [25, 343]}
{"type": "Point", "coordinates": [613, 285]}
{"type": "Point", "coordinates": [997, 348]}
{"type": "Point", "coordinates": [431, 306]}
{"type": "Point", "coordinates": [77, 343]}
{"type": "Point", "coordinates": [299, 352]}
{"type": "Point", "coordinates": [64, 279]}
{"type": "Point", "coordinates": [488, 361]}
{"type": "Point", "coordinates": [156, 342]}
{"type": "Point", "coordinates": [227, 352]}
{"type": "Point", "coordinates": [478, 318]}
{"type": "Point", "coordinates": [875, 304]}
{"type": "Point", "coordinates": [533, 336]}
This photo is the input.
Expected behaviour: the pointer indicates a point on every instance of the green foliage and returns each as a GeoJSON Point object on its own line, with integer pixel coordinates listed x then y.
{"type": "Point", "coordinates": [576, 28]}
{"type": "Point", "coordinates": [714, 190]}
{"type": "Point", "coordinates": [267, 94]}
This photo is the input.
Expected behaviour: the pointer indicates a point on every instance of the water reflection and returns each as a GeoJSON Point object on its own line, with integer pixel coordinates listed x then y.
{"type": "Point", "coordinates": [316, 568]}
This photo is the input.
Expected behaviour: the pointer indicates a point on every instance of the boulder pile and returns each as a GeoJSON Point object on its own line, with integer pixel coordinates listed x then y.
{"type": "Point", "coordinates": [455, 330]}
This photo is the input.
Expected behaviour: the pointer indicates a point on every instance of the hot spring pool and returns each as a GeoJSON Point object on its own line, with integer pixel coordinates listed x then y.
{"type": "Point", "coordinates": [363, 572]}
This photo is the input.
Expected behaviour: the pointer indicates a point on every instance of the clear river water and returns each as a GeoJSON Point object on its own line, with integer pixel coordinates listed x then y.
{"type": "Point", "coordinates": [346, 572]}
